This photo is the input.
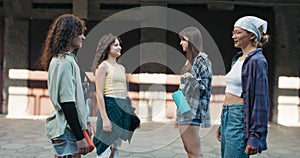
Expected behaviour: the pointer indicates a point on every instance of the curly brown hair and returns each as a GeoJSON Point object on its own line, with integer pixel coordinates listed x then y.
{"type": "Point", "coordinates": [103, 49]}
{"type": "Point", "coordinates": [60, 33]}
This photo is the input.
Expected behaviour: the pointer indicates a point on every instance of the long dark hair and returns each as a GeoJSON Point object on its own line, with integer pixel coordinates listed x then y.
{"type": "Point", "coordinates": [59, 36]}
{"type": "Point", "coordinates": [195, 42]}
{"type": "Point", "coordinates": [103, 49]}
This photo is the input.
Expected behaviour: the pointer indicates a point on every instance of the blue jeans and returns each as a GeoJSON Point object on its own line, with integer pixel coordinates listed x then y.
{"type": "Point", "coordinates": [233, 143]}
{"type": "Point", "coordinates": [68, 146]}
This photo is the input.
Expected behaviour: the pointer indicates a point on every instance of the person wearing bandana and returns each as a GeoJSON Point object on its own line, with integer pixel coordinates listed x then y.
{"type": "Point", "coordinates": [244, 121]}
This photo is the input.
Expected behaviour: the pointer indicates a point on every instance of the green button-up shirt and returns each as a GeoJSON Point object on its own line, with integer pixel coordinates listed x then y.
{"type": "Point", "coordinates": [64, 85]}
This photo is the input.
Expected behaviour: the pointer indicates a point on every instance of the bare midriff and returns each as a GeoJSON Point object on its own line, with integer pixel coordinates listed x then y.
{"type": "Point", "coordinates": [232, 99]}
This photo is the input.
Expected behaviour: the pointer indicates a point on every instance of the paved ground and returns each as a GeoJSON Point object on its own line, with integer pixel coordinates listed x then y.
{"type": "Point", "coordinates": [21, 138]}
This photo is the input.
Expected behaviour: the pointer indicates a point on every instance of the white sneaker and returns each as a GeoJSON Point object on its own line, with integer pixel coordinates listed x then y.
{"type": "Point", "coordinates": [105, 154]}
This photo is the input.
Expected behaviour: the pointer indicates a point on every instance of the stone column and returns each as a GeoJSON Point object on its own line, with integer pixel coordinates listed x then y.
{"type": "Point", "coordinates": [16, 50]}
{"type": "Point", "coordinates": [286, 55]}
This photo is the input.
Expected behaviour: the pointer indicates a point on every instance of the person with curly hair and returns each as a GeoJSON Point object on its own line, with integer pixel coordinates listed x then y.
{"type": "Point", "coordinates": [65, 125]}
{"type": "Point", "coordinates": [116, 118]}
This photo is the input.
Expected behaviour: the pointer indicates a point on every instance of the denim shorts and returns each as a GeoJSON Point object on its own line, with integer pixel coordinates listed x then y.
{"type": "Point", "coordinates": [195, 122]}
{"type": "Point", "coordinates": [233, 142]}
{"type": "Point", "coordinates": [68, 146]}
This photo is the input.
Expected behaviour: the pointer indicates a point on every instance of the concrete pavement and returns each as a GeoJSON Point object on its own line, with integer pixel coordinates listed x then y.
{"type": "Point", "coordinates": [25, 138]}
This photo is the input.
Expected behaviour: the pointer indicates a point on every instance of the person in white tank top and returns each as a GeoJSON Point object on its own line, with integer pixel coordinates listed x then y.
{"type": "Point", "coordinates": [234, 79]}
{"type": "Point", "coordinates": [244, 120]}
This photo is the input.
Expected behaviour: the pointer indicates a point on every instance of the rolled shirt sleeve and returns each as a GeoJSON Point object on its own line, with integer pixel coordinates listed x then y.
{"type": "Point", "coordinates": [66, 85]}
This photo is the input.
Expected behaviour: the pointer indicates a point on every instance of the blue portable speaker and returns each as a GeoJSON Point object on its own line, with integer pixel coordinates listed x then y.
{"type": "Point", "coordinates": [181, 102]}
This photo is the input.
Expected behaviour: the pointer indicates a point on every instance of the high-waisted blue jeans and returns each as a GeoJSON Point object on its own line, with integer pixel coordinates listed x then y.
{"type": "Point", "coordinates": [233, 143]}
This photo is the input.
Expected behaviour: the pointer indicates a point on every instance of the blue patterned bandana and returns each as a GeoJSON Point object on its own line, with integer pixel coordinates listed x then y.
{"type": "Point", "coordinates": [251, 24]}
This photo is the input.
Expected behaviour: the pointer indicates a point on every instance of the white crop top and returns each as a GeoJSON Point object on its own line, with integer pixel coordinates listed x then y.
{"type": "Point", "coordinates": [234, 79]}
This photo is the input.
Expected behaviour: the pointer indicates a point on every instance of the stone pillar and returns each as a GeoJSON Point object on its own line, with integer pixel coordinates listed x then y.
{"type": "Point", "coordinates": [152, 53]}
{"type": "Point", "coordinates": [16, 49]}
{"type": "Point", "coordinates": [286, 55]}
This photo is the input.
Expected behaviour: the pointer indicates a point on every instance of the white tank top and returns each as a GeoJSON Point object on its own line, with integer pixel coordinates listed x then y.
{"type": "Point", "coordinates": [234, 79]}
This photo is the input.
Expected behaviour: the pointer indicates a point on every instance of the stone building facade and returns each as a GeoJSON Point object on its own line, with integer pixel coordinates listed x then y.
{"type": "Point", "coordinates": [24, 24]}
